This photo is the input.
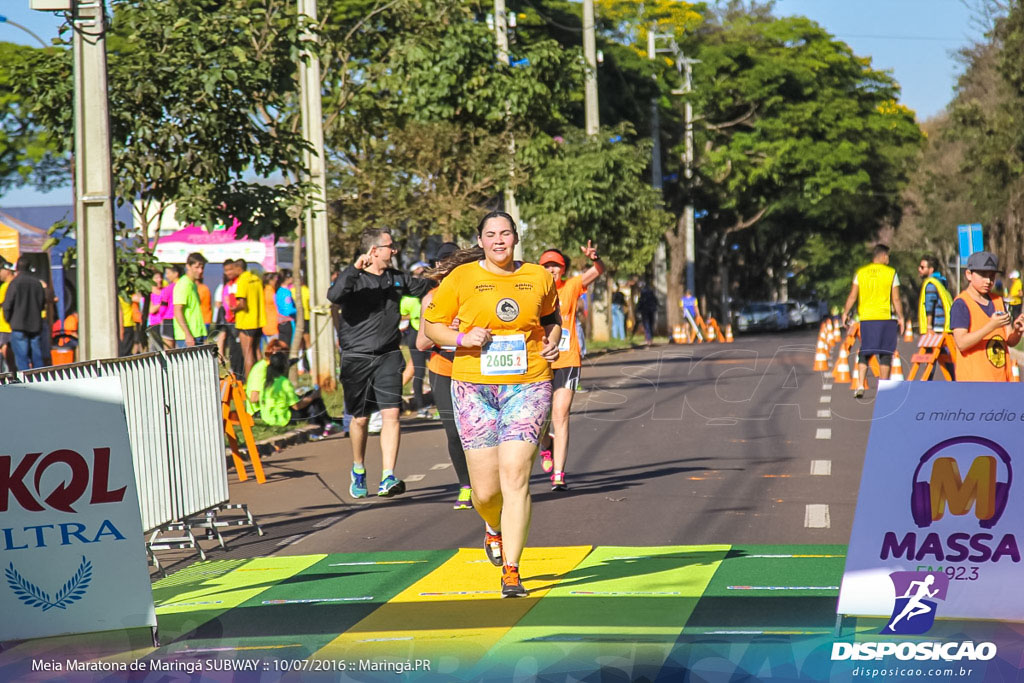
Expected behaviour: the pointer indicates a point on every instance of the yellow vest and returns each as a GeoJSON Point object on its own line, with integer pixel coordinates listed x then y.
{"type": "Point", "coordinates": [874, 301]}
{"type": "Point", "coordinates": [944, 298]}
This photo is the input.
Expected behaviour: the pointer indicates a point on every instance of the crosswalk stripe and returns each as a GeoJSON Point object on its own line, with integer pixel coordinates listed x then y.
{"type": "Point", "coordinates": [821, 467]}
{"type": "Point", "coordinates": [825, 413]}
{"type": "Point", "coordinates": [823, 433]}
{"type": "Point", "coordinates": [816, 516]}
{"type": "Point", "coordinates": [825, 399]}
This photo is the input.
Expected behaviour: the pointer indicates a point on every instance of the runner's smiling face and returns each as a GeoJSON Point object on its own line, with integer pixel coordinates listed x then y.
{"type": "Point", "coordinates": [498, 240]}
{"type": "Point", "coordinates": [554, 269]}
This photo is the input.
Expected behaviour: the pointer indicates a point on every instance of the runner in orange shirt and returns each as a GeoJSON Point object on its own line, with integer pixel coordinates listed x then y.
{"type": "Point", "coordinates": [555, 446]}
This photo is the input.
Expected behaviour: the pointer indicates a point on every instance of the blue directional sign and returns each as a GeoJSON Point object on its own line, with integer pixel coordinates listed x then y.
{"type": "Point", "coordinates": [970, 240]}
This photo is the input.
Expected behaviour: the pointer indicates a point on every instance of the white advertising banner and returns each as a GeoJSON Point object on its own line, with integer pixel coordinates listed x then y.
{"type": "Point", "coordinates": [937, 496]}
{"type": "Point", "coordinates": [72, 556]}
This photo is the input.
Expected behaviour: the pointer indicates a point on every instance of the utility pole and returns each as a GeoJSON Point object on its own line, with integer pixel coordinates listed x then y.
{"type": "Point", "coordinates": [592, 117]}
{"type": "Point", "coordinates": [688, 171]}
{"type": "Point", "coordinates": [601, 294]}
{"type": "Point", "coordinates": [660, 266]}
{"type": "Point", "coordinates": [501, 38]}
{"type": "Point", "coordinates": [94, 206]}
{"type": "Point", "coordinates": [318, 254]}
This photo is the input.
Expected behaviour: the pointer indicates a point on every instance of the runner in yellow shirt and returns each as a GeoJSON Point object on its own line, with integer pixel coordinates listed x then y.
{"type": "Point", "coordinates": [250, 313]}
{"type": "Point", "coordinates": [509, 328]}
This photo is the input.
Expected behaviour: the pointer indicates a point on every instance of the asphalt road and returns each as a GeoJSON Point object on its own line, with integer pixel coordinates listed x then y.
{"type": "Point", "coordinates": [712, 443]}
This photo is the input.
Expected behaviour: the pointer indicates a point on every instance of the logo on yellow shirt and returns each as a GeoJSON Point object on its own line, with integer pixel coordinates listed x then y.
{"type": "Point", "coordinates": [507, 310]}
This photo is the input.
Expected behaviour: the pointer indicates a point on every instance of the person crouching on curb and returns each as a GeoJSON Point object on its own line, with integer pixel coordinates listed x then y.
{"type": "Point", "coordinates": [981, 325]}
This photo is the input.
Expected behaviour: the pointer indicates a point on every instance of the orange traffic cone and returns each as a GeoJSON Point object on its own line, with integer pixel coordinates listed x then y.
{"type": "Point", "coordinates": [841, 373]}
{"type": "Point", "coordinates": [855, 380]}
{"type": "Point", "coordinates": [711, 329]}
{"type": "Point", "coordinates": [1016, 373]}
{"type": "Point", "coordinates": [896, 374]}
{"type": "Point", "coordinates": [908, 334]}
{"type": "Point", "coordinates": [821, 357]}
{"type": "Point", "coordinates": [728, 335]}
{"type": "Point", "coordinates": [677, 334]}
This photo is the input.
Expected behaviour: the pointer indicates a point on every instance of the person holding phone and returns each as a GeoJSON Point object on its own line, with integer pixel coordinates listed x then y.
{"type": "Point", "coordinates": [982, 327]}
{"type": "Point", "coordinates": [368, 292]}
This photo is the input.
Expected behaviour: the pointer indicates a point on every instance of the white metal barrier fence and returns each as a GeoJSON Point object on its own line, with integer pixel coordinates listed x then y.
{"type": "Point", "coordinates": [172, 406]}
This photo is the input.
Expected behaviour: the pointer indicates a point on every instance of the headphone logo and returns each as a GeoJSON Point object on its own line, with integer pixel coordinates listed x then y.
{"type": "Point", "coordinates": [947, 489]}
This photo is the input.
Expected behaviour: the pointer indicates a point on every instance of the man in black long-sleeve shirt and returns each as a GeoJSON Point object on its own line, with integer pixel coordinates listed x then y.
{"type": "Point", "coordinates": [23, 309]}
{"type": "Point", "coordinates": [368, 292]}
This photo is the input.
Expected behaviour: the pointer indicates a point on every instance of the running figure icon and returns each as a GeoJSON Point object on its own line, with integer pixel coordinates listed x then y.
{"type": "Point", "coordinates": [916, 592]}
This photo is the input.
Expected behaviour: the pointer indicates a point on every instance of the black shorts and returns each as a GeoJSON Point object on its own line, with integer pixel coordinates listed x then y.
{"type": "Point", "coordinates": [566, 378]}
{"type": "Point", "coordinates": [878, 338]}
{"type": "Point", "coordinates": [256, 333]}
{"type": "Point", "coordinates": [371, 382]}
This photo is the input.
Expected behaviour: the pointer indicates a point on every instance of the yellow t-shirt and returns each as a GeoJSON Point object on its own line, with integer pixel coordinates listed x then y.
{"type": "Point", "coordinates": [4, 326]}
{"type": "Point", "coordinates": [126, 313]}
{"type": "Point", "coordinates": [507, 305]}
{"type": "Point", "coordinates": [875, 282]}
{"type": "Point", "coordinates": [250, 287]}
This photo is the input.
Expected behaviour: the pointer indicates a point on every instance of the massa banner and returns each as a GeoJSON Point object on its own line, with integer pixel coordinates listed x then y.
{"type": "Point", "coordinates": [939, 521]}
{"type": "Point", "coordinates": [72, 556]}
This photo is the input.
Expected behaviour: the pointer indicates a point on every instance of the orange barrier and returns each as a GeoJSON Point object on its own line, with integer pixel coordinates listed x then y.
{"type": "Point", "coordinates": [232, 398]}
{"type": "Point", "coordinates": [933, 348]}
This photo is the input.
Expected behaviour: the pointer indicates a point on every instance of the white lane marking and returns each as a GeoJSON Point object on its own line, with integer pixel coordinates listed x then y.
{"type": "Point", "coordinates": [441, 466]}
{"type": "Point", "coordinates": [825, 413]}
{"type": "Point", "coordinates": [821, 467]}
{"type": "Point", "coordinates": [826, 387]}
{"type": "Point", "coordinates": [816, 517]}
{"type": "Point", "coordinates": [825, 399]}
{"type": "Point", "coordinates": [415, 477]}
{"type": "Point", "coordinates": [289, 540]}
{"type": "Point", "coordinates": [823, 433]}
{"type": "Point", "coordinates": [326, 522]}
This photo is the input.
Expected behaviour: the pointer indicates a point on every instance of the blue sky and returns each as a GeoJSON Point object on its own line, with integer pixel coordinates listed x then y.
{"type": "Point", "coordinates": [914, 39]}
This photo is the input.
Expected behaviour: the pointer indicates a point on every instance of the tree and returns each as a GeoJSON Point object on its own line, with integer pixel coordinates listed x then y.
{"type": "Point", "coordinates": [595, 189]}
{"type": "Point", "coordinates": [216, 102]}
{"type": "Point", "coordinates": [29, 154]}
{"type": "Point", "coordinates": [797, 136]}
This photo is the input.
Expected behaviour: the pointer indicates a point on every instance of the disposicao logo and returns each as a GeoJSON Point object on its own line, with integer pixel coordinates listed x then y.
{"type": "Point", "coordinates": [915, 607]}
{"type": "Point", "coordinates": [948, 490]}
{"type": "Point", "coordinates": [913, 613]}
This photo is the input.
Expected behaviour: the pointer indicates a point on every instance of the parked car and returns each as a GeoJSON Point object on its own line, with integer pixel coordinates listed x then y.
{"type": "Point", "coordinates": [796, 317]}
{"type": "Point", "coordinates": [810, 311]}
{"type": "Point", "coordinates": [756, 317]}
{"type": "Point", "coordinates": [783, 321]}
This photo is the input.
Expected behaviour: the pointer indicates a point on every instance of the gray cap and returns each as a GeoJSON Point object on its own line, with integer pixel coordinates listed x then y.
{"type": "Point", "coordinates": [983, 260]}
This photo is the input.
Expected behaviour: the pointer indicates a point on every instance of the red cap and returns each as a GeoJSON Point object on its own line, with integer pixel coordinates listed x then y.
{"type": "Point", "coordinates": [553, 256]}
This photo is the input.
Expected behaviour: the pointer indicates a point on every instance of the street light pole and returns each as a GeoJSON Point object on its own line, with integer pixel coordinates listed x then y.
{"type": "Point", "coordinates": [5, 20]}
{"type": "Point", "coordinates": [318, 261]}
{"type": "Point", "coordinates": [94, 206]}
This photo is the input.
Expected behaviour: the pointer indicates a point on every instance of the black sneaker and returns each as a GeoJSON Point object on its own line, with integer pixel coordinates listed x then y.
{"type": "Point", "coordinates": [511, 585]}
{"type": "Point", "coordinates": [492, 546]}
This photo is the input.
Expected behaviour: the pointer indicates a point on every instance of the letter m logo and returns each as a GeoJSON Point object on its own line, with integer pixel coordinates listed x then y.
{"type": "Point", "coordinates": [978, 488]}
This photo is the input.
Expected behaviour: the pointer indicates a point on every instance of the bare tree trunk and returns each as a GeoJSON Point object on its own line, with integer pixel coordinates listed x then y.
{"type": "Point", "coordinates": [676, 241]}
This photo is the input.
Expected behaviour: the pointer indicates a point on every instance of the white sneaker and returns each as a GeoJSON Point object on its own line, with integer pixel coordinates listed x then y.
{"type": "Point", "coordinates": [376, 423]}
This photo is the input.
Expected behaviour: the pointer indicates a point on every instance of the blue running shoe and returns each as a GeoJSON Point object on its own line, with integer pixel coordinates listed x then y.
{"type": "Point", "coordinates": [391, 486]}
{"type": "Point", "coordinates": [358, 487]}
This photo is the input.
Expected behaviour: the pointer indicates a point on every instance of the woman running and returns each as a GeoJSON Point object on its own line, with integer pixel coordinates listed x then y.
{"type": "Point", "coordinates": [555, 446]}
{"type": "Point", "coordinates": [507, 336]}
{"type": "Point", "coordinates": [439, 365]}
